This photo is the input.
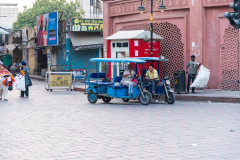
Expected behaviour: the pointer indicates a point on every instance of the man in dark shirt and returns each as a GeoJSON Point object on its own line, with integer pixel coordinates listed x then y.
{"type": "Point", "coordinates": [193, 67]}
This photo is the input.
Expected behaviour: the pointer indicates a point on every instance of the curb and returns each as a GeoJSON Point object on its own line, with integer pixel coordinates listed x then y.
{"type": "Point", "coordinates": [79, 89]}
{"type": "Point", "coordinates": [38, 79]}
{"type": "Point", "coordinates": [193, 98]}
{"type": "Point", "coordinates": [212, 99]}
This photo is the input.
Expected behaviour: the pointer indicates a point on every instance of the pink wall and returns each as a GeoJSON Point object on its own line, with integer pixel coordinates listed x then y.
{"type": "Point", "coordinates": [201, 23]}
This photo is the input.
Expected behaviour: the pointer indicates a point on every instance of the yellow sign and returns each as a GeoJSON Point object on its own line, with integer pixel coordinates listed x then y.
{"type": "Point", "coordinates": [60, 80]}
{"type": "Point", "coordinates": [90, 25]}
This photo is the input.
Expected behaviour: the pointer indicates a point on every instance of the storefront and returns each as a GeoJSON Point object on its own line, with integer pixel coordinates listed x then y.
{"type": "Point", "coordinates": [84, 41]}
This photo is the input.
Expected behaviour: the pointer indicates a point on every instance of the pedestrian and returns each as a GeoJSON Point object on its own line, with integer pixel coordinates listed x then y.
{"type": "Point", "coordinates": [25, 72]}
{"type": "Point", "coordinates": [193, 67]}
{"type": "Point", "coordinates": [6, 79]}
{"type": "Point", "coordinates": [152, 76]}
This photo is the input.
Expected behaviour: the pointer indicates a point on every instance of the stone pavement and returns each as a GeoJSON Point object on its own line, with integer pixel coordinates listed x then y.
{"type": "Point", "coordinates": [63, 125]}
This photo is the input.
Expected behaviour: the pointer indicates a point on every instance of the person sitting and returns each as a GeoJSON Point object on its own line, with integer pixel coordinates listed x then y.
{"type": "Point", "coordinates": [128, 75]}
{"type": "Point", "coordinates": [152, 76]}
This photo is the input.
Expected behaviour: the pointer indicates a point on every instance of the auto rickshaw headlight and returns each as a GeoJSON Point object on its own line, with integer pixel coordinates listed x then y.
{"type": "Point", "coordinates": [167, 82]}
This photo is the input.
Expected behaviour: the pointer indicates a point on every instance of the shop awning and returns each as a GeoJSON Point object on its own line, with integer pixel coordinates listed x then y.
{"type": "Point", "coordinates": [135, 34]}
{"type": "Point", "coordinates": [86, 40]}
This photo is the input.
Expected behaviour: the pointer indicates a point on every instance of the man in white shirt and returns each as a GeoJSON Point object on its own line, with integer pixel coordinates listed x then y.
{"type": "Point", "coordinates": [127, 78]}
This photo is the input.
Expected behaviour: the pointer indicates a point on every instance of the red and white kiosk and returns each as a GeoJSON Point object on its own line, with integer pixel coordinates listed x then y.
{"type": "Point", "coordinates": [124, 44]}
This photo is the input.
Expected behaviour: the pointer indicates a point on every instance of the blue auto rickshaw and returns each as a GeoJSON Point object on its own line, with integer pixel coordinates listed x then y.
{"type": "Point", "coordinates": [102, 86]}
{"type": "Point", "coordinates": [163, 87]}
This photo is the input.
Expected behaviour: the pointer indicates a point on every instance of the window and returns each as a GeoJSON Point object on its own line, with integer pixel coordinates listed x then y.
{"type": "Point", "coordinates": [125, 44]}
{"type": "Point", "coordinates": [119, 44]}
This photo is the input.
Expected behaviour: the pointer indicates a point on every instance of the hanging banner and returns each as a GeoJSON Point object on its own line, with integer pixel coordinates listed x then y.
{"type": "Point", "coordinates": [89, 25]}
{"type": "Point", "coordinates": [47, 29]}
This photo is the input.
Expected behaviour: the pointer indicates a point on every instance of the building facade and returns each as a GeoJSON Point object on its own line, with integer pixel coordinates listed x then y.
{"type": "Point", "coordinates": [189, 27]}
{"type": "Point", "coordinates": [92, 8]}
{"type": "Point", "coordinates": [8, 15]}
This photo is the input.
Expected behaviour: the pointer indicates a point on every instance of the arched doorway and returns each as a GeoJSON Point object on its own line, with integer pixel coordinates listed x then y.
{"type": "Point", "coordinates": [230, 59]}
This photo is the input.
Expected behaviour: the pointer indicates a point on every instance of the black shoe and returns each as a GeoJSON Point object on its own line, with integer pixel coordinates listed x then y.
{"type": "Point", "coordinates": [187, 92]}
{"type": "Point", "coordinates": [194, 92]}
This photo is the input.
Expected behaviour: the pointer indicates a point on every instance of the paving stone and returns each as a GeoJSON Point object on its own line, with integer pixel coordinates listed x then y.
{"type": "Point", "coordinates": [63, 125]}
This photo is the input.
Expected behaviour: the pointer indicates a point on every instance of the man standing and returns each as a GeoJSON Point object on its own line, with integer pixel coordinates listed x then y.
{"type": "Point", "coordinates": [152, 76]}
{"type": "Point", "coordinates": [193, 67]}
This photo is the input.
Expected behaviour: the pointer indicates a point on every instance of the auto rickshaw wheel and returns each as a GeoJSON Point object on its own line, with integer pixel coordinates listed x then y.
{"type": "Point", "coordinates": [171, 99]}
{"type": "Point", "coordinates": [92, 97]}
{"type": "Point", "coordinates": [125, 100]}
{"type": "Point", "coordinates": [146, 100]}
{"type": "Point", "coordinates": [106, 99]}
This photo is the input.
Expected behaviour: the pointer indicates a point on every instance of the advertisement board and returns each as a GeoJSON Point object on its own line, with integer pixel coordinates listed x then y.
{"type": "Point", "coordinates": [47, 29]}
{"type": "Point", "coordinates": [87, 25]}
{"type": "Point", "coordinates": [60, 81]}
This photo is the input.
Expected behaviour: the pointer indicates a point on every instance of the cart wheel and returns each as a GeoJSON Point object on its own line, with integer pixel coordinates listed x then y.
{"type": "Point", "coordinates": [171, 99]}
{"type": "Point", "coordinates": [106, 99]}
{"type": "Point", "coordinates": [146, 100]}
{"type": "Point", "coordinates": [125, 100]}
{"type": "Point", "coordinates": [50, 90]}
{"type": "Point", "coordinates": [92, 97]}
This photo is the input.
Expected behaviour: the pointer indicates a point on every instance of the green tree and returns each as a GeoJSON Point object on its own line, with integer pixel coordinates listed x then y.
{"type": "Point", "coordinates": [28, 18]}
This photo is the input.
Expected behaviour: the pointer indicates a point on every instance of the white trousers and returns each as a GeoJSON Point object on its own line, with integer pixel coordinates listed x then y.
{"type": "Point", "coordinates": [129, 84]}
{"type": "Point", "coordinates": [4, 92]}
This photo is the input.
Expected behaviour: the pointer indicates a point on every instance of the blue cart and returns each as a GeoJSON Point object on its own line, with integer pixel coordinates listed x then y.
{"type": "Point", "coordinates": [102, 86]}
{"type": "Point", "coordinates": [163, 87]}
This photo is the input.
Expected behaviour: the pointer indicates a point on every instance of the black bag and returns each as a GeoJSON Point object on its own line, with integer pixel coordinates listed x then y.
{"type": "Point", "coordinates": [28, 81]}
{"type": "Point", "coordinates": [10, 87]}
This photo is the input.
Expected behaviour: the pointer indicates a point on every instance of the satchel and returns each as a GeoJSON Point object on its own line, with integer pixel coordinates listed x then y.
{"type": "Point", "coordinates": [28, 81]}
{"type": "Point", "coordinates": [10, 87]}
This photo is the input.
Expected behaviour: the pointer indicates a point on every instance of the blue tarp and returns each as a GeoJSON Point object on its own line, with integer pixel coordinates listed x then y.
{"type": "Point", "coordinates": [124, 60]}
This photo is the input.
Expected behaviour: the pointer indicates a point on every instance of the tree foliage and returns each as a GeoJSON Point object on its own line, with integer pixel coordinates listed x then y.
{"type": "Point", "coordinates": [27, 18]}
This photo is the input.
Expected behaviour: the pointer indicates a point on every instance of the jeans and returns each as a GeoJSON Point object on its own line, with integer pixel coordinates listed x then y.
{"type": "Point", "coordinates": [26, 92]}
{"type": "Point", "coordinates": [191, 77]}
{"type": "Point", "coordinates": [154, 83]}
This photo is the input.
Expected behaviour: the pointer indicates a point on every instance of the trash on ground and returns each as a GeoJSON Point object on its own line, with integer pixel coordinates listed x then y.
{"type": "Point", "coordinates": [210, 101]}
